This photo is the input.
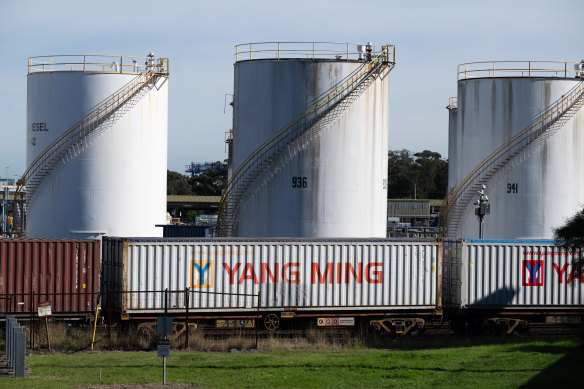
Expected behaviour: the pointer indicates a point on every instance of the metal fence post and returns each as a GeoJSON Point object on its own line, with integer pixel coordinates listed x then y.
{"type": "Point", "coordinates": [165, 301]}
{"type": "Point", "coordinates": [8, 338]}
{"type": "Point", "coordinates": [19, 351]}
{"type": "Point", "coordinates": [109, 320]}
{"type": "Point", "coordinates": [187, 318]}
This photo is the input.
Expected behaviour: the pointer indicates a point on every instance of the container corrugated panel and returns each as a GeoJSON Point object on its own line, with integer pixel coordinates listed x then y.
{"type": "Point", "coordinates": [517, 274]}
{"type": "Point", "coordinates": [228, 275]}
{"type": "Point", "coordinates": [62, 272]}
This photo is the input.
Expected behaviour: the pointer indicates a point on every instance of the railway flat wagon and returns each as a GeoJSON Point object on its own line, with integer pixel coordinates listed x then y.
{"type": "Point", "coordinates": [62, 274]}
{"type": "Point", "coordinates": [508, 283]}
{"type": "Point", "coordinates": [329, 281]}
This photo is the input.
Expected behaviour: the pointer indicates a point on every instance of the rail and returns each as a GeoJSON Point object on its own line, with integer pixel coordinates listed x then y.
{"type": "Point", "coordinates": [492, 69]}
{"type": "Point", "coordinates": [563, 108]}
{"type": "Point", "coordinates": [317, 109]}
{"type": "Point", "coordinates": [313, 50]}
{"type": "Point", "coordinates": [95, 64]}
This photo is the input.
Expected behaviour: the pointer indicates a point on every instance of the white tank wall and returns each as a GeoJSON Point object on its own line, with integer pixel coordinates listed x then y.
{"type": "Point", "coordinates": [549, 178]}
{"type": "Point", "coordinates": [345, 167]}
{"type": "Point", "coordinates": [117, 185]}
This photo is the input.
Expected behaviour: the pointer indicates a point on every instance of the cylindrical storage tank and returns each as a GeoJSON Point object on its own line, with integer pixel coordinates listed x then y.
{"type": "Point", "coordinates": [335, 183]}
{"type": "Point", "coordinates": [112, 181]}
{"type": "Point", "coordinates": [539, 185]}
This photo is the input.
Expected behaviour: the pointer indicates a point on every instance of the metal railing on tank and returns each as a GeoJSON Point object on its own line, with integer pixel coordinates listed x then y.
{"type": "Point", "coordinates": [96, 64]}
{"type": "Point", "coordinates": [342, 51]}
{"type": "Point", "coordinates": [528, 69]}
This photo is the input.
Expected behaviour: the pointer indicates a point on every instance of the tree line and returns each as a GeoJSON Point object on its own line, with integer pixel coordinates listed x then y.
{"type": "Point", "coordinates": [208, 183]}
{"type": "Point", "coordinates": [422, 175]}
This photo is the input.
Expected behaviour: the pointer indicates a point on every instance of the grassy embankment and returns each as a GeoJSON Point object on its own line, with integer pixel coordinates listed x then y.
{"type": "Point", "coordinates": [535, 363]}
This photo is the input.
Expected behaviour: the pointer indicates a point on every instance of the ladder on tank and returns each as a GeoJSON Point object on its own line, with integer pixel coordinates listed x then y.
{"type": "Point", "coordinates": [295, 136]}
{"type": "Point", "coordinates": [546, 124]}
{"type": "Point", "coordinates": [82, 133]}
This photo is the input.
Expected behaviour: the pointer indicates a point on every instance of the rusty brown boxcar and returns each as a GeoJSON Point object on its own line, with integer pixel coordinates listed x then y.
{"type": "Point", "coordinates": [63, 272]}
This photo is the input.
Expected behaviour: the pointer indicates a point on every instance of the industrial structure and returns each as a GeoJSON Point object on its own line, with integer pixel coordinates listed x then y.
{"type": "Point", "coordinates": [96, 136]}
{"type": "Point", "coordinates": [196, 168]}
{"type": "Point", "coordinates": [310, 139]}
{"type": "Point", "coordinates": [516, 132]}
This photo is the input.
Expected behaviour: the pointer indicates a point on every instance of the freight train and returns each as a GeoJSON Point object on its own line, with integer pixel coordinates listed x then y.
{"type": "Point", "coordinates": [397, 286]}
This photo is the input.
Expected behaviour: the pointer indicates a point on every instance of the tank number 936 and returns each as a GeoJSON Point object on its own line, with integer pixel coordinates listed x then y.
{"type": "Point", "coordinates": [299, 182]}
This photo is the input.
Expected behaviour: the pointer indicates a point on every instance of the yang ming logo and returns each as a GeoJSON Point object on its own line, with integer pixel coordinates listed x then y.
{"type": "Point", "coordinates": [532, 272]}
{"type": "Point", "coordinates": [201, 274]}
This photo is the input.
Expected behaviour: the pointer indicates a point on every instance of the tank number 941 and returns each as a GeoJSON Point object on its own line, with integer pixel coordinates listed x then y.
{"type": "Point", "coordinates": [512, 187]}
{"type": "Point", "coordinates": [299, 182]}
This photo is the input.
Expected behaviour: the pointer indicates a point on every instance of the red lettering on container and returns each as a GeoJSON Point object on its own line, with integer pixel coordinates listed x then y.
{"type": "Point", "coordinates": [231, 272]}
{"type": "Point", "coordinates": [358, 276]}
{"type": "Point", "coordinates": [374, 277]}
{"type": "Point", "coordinates": [328, 270]}
{"type": "Point", "coordinates": [266, 272]}
{"type": "Point", "coordinates": [293, 279]}
{"type": "Point", "coordinates": [561, 272]}
{"type": "Point", "coordinates": [248, 274]}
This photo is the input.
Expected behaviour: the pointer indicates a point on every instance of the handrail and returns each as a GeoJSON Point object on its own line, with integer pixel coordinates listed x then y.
{"type": "Point", "coordinates": [525, 137]}
{"type": "Point", "coordinates": [335, 93]}
{"type": "Point", "coordinates": [514, 69]}
{"type": "Point", "coordinates": [312, 50]}
{"type": "Point", "coordinates": [93, 120]}
{"type": "Point", "coordinates": [94, 64]}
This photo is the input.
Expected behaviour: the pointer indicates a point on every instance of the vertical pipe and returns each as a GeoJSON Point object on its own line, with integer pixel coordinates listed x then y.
{"type": "Point", "coordinates": [256, 324]}
{"type": "Point", "coordinates": [109, 320]}
{"type": "Point", "coordinates": [187, 318]}
{"type": "Point", "coordinates": [31, 318]}
{"type": "Point", "coordinates": [165, 301]}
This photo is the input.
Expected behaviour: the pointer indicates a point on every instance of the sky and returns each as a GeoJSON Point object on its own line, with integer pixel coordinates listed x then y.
{"type": "Point", "coordinates": [198, 37]}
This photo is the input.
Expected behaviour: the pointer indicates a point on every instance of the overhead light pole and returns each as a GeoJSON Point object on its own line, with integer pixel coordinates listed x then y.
{"type": "Point", "coordinates": [482, 207]}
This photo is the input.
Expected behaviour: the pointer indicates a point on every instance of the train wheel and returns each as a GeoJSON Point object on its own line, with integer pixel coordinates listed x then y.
{"type": "Point", "coordinates": [271, 321]}
{"type": "Point", "coordinates": [418, 330]}
{"type": "Point", "coordinates": [458, 326]}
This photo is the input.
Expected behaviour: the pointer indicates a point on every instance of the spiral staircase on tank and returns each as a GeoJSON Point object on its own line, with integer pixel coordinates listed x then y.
{"type": "Point", "coordinates": [79, 136]}
{"type": "Point", "coordinates": [546, 124]}
{"type": "Point", "coordinates": [266, 160]}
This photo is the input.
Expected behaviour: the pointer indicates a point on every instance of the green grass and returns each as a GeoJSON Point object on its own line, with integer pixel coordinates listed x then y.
{"type": "Point", "coordinates": [509, 365]}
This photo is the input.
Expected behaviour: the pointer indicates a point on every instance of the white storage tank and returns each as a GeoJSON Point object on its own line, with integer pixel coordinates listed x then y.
{"type": "Point", "coordinates": [96, 146]}
{"type": "Point", "coordinates": [518, 129]}
{"type": "Point", "coordinates": [331, 181]}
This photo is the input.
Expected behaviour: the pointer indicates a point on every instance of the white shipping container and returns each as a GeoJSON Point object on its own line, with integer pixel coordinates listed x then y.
{"type": "Point", "coordinates": [511, 274]}
{"type": "Point", "coordinates": [229, 275]}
